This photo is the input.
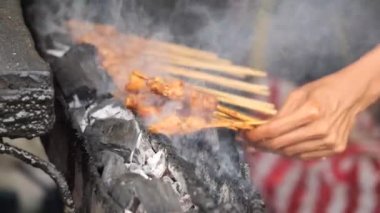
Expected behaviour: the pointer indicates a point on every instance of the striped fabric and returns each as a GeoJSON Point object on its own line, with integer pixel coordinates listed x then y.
{"type": "Point", "coordinates": [349, 182]}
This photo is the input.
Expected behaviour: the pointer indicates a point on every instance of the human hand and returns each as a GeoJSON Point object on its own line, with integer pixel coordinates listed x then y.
{"type": "Point", "coordinates": [317, 118]}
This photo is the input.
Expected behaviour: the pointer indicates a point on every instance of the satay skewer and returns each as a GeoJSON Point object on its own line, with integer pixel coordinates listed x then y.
{"type": "Point", "coordinates": [179, 49]}
{"type": "Point", "coordinates": [221, 68]}
{"type": "Point", "coordinates": [162, 54]}
{"type": "Point", "coordinates": [222, 81]}
{"type": "Point", "coordinates": [256, 105]}
{"type": "Point", "coordinates": [233, 124]}
{"type": "Point", "coordinates": [246, 103]}
{"type": "Point", "coordinates": [236, 114]}
{"type": "Point", "coordinates": [194, 65]}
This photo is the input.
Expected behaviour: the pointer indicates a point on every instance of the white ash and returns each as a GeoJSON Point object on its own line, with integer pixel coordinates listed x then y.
{"type": "Point", "coordinates": [105, 112]}
{"type": "Point", "coordinates": [110, 111]}
{"type": "Point", "coordinates": [75, 103]}
{"type": "Point", "coordinates": [145, 161]}
{"type": "Point", "coordinates": [136, 168]}
{"type": "Point", "coordinates": [60, 50]}
{"type": "Point", "coordinates": [138, 142]}
{"type": "Point", "coordinates": [156, 164]}
{"type": "Point", "coordinates": [153, 164]}
{"type": "Point", "coordinates": [56, 53]}
{"type": "Point", "coordinates": [178, 176]}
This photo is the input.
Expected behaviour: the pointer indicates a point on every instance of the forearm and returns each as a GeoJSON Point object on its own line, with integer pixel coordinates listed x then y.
{"type": "Point", "coordinates": [365, 73]}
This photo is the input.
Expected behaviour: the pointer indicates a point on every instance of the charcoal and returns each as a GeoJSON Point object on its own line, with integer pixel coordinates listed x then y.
{"type": "Point", "coordinates": [112, 166]}
{"type": "Point", "coordinates": [78, 73]}
{"type": "Point", "coordinates": [212, 187]}
{"type": "Point", "coordinates": [114, 131]}
{"type": "Point", "coordinates": [156, 165]}
{"type": "Point", "coordinates": [155, 196]}
{"type": "Point", "coordinates": [26, 88]}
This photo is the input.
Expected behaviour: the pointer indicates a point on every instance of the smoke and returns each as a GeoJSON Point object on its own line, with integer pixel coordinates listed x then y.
{"type": "Point", "coordinates": [307, 39]}
{"type": "Point", "coordinates": [221, 26]}
{"type": "Point", "coordinates": [301, 41]}
{"type": "Point", "coordinates": [304, 39]}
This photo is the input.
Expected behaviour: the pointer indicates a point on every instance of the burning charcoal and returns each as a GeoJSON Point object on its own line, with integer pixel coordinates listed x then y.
{"type": "Point", "coordinates": [111, 109]}
{"type": "Point", "coordinates": [114, 132]}
{"type": "Point", "coordinates": [178, 176]}
{"type": "Point", "coordinates": [136, 169]}
{"type": "Point", "coordinates": [123, 195]}
{"type": "Point", "coordinates": [156, 164]}
{"type": "Point", "coordinates": [166, 202]}
{"type": "Point", "coordinates": [78, 72]}
{"type": "Point", "coordinates": [186, 203]}
{"type": "Point", "coordinates": [144, 148]}
{"type": "Point", "coordinates": [113, 167]}
{"type": "Point", "coordinates": [167, 180]}
{"type": "Point", "coordinates": [138, 157]}
{"type": "Point", "coordinates": [155, 196]}
{"type": "Point", "coordinates": [148, 153]}
{"type": "Point", "coordinates": [178, 188]}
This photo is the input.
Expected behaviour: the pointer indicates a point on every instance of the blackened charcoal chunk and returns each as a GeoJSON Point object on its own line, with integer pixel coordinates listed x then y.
{"type": "Point", "coordinates": [79, 70]}
{"type": "Point", "coordinates": [154, 195]}
{"type": "Point", "coordinates": [113, 131]}
{"type": "Point", "coordinates": [111, 165]}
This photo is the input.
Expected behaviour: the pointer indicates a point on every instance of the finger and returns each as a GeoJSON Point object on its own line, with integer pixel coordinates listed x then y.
{"type": "Point", "coordinates": [284, 124]}
{"type": "Point", "coordinates": [305, 147]}
{"type": "Point", "coordinates": [316, 154]}
{"type": "Point", "coordinates": [253, 149]}
{"type": "Point", "coordinates": [314, 131]}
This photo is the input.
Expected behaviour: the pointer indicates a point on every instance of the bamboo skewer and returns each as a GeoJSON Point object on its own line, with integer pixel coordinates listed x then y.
{"type": "Point", "coordinates": [191, 64]}
{"type": "Point", "coordinates": [194, 63]}
{"type": "Point", "coordinates": [246, 103]}
{"type": "Point", "coordinates": [172, 56]}
{"type": "Point", "coordinates": [175, 48]}
{"type": "Point", "coordinates": [233, 124]}
{"type": "Point", "coordinates": [167, 63]}
{"type": "Point", "coordinates": [237, 115]}
{"type": "Point", "coordinates": [228, 69]}
{"type": "Point", "coordinates": [238, 124]}
{"type": "Point", "coordinates": [240, 85]}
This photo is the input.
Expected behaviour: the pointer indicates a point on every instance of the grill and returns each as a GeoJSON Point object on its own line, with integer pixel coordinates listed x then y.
{"type": "Point", "coordinates": [26, 89]}
{"type": "Point", "coordinates": [110, 161]}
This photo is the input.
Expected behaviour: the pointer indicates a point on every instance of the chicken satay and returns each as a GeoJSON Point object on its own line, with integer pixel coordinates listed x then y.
{"type": "Point", "coordinates": [200, 102]}
{"type": "Point", "coordinates": [136, 83]}
{"type": "Point", "coordinates": [172, 90]}
{"type": "Point", "coordinates": [145, 105]}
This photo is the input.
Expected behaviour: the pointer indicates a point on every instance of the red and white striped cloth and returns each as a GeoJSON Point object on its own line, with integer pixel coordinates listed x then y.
{"type": "Point", "coordinates": [349, 182]}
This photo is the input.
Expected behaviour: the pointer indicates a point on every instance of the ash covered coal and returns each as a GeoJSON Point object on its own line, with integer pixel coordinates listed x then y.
{"type": "Point", "coordinates": [146, 171]}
